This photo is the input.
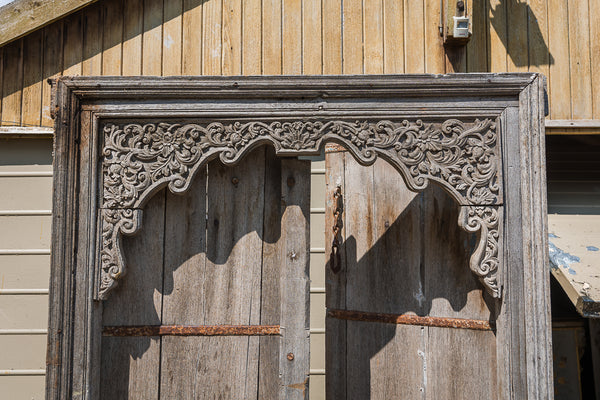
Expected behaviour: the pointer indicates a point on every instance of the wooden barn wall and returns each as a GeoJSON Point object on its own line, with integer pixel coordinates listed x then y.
{"type": "Point", "coordinates": [560, 38]}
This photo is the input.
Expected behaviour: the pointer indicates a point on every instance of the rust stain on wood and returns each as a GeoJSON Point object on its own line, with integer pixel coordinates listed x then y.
{"type": "Point", "coordinates": [406, 319]}
{"type": "Point", "coordinates": [188, 330]}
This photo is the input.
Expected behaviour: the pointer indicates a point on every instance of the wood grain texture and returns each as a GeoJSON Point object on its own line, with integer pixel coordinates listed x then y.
{"type": "Point", "coordinates": [559, 84]}
{"type": "Point", "coordinates": [73, 45]}
{"type": "Point", "coordinates": [22, 17]}
{"type": "Point", "coordinates": [332, 37]}
{"type": "Point", "coordinates": [516, 39]}
{"type": "Point", "coordinates": [393, 29]}
{"type": "Point", "coordinates": [434, 47]}
{"type": "Point", "coordinates": [477, 60]}
{"type": "Point", "coordinates": [540, 58]}
{"type": "Point", "coordinates": [112, 38]}
{"type": "Point", "coordinates": [373, 37]}
{"type": "Point", "coordinates": [212, 49]}
{"type": "Point", "coordinates": [130, 368]}
{"type": "Point", "coordinates": [272, 31]}
{"type": "Point", "coordinates": [11, 87]}
{"type": "Point", "coordinates": [252, 23]}
{"type": "Point", "coordinates": [152, 38]}
{"type": "Point", "coordinates": [294, 246]}
{"type": "Point", "coordinates": [352, 37]}
{"type": "Point", "coordinates": [32, 79]}
{"type": "Point", "coordinates": [133, 37]}
{"type": "Point", "coordinates": [232, 37]}
{"type": "Point", "coordinates": [292, 37]}
{"type": "Point", "coordinates": [579, 56]}
{"type": "Point", "coordinates": [92, 41]}
{"type": "Point", "coordinates": [312, 37]}
{"type": "Point", "coordinates": [414, 36]}
{"type": "Point", "coordinates": [133, 23]}
{"type": "Point", "coordinates": [192, 37]}
{"type": "Point", "coordinates": [172, 40]}
{"type": "Point", "coordinates": [595, 68]}
{"type": "Point", "coordinates": [497, 36]}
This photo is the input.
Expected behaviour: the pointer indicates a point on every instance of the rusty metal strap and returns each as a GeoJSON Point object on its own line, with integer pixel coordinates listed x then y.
{"type": "Point", "coordinates": [406, 319]}
{"type": "Point", "coordinates": [187, 330]}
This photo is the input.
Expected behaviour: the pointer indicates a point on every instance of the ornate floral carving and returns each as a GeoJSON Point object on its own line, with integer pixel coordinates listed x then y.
{"type": "Point", "coordinates": [114, 223]}
{"type": "Point", "coordinates": [140, 159]}
{"type": "Point", "coordinates": [463, 157]}
{"type": "Point", "coordinates": [484, 260]}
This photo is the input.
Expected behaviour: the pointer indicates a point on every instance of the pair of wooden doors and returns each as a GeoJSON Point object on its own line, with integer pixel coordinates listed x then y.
{"type": "Point", "coordinates": [214, 301]}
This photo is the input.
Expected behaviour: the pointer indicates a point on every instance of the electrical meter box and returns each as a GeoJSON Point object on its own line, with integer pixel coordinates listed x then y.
{"type": "Point", "coordinates": [455, 22]}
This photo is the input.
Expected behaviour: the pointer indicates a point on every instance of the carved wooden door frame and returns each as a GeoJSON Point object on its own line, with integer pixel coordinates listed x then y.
{"type": "Point", "coordinates": [479, 136]}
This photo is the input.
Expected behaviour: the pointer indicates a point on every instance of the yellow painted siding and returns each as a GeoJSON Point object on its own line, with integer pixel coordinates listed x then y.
{"type": "Point", "coordinates": [230, 37]}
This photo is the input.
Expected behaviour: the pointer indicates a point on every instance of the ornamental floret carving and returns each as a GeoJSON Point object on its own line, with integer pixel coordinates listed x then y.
{"type": "Point", "coordinates": [139, 159]}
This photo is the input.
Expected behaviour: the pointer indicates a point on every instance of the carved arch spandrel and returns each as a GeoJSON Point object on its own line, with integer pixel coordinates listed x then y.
{"type": "Point", "coordinates": [464, 158]}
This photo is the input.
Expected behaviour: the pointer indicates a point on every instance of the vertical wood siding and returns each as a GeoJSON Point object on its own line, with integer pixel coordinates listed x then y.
{"type": "Point", "coordinates": [559, 38]}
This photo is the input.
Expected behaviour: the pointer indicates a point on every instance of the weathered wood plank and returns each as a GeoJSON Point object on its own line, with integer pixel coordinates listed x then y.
{"type": "Point", "coordinates": [332, 37]}
{"type": "Point", "coordinates": [185, 255]}
{"type": "Point", "coordinates": [92, 41]}
{"type": "Point", "coordinates": [461, 364]}
{"type": "Point", "coordinates": [212, 50]}
{"type": "Point", "coordinates": [112, 38]}
{"type": "Point", "coordinates": [12, 85]}
{"type": "Point", "coordinates": [133, 24]}
{"type": "Point", "coordinates": [352, 38]}
{"type": "Point", "coordinates": [579, 56]}
{"type": "Point", "coordinates": [192, 37]}
{"type": "Point", "coordinates": [271, 37]}
{"type": "Point", "coordinates": [130, 366]}
{"type": "Point", "coordinates": [22, 17]}
{"type": "Point", "coordinates": [373, 37]}
{"type": "Point", "coordinates": [252, 43]}
{"type": "Point", "coordinates": [292, 37]}
{"type": "Point", "coordinates": [393, 30]}
{"type": "Point", "coordinates": [477, 60]}
{"type": "Point", "coordinates": [497, 39]}
{"type": "Point", "coordinates": [516, 39]}
{"type": "Point", "coordinates": [539, 56]}
{"type": "Point", "coordinates": [232, 37]}
{"type": "Point", "coordinates": [152, 38]}
{"type": "Point", "coordinates": [294, 243]}
{"type": "Point", "coordinates": [414, 44]}
{"type": "Point", "coordinates": [435, 61]}
{"type": "Point", "coordinates": [272, 296]}
{"type": "Point", "coordinates": [32, 79]}
{"type": "Point", "coordinates": [559, 84]}
{"type": "Point", "coordinates": [73, 45]}
{"type": "Point", "coordinates": [172, 32]}
{"type": "Point", "coordinates": [215, 280]}
{"type": "Point", "coordinates": [312, 38]}
{"type": "Point", "coordinates": [594, 17]}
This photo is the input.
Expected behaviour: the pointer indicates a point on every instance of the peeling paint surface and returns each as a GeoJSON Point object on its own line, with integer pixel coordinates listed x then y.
{"type": "Point", "coordinates": [574, 252]}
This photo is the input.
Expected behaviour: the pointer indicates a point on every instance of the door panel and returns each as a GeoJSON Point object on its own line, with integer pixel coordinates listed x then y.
{"type": "Point", "coordinates": [232, 251]}
{"type": "Point", "coordinates": [402, 254]}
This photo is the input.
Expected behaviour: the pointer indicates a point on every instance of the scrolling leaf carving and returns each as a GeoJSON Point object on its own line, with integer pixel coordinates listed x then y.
{"type": "Point", "coordinates": [138, 159]}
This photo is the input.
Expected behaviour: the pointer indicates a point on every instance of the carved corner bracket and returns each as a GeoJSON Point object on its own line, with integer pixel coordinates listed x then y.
{"type": "Point", "coordinates": [464, 158]}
